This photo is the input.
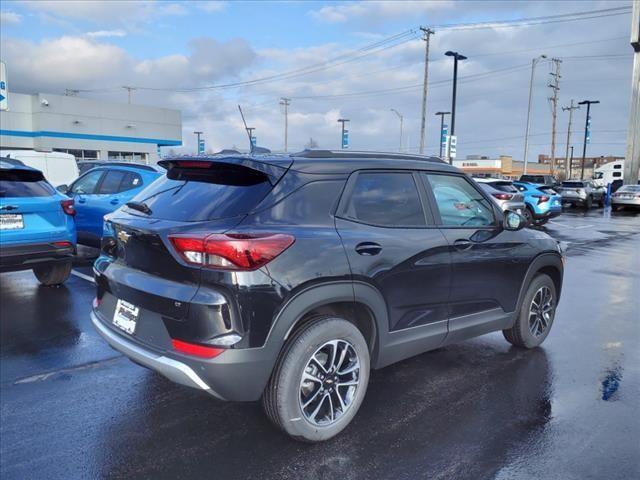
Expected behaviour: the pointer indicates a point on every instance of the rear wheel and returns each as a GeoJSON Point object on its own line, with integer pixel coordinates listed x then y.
{"type": "Point", "coordinates": [588, 203]}
{"type": "Point", "coordinates": [536, 314]}
{"type": "Point", "coordinates": [319, 381]}
{"type": "Point", "coordinates": [54, 274]}
{"type": "Point", "coordinates": [528, 215]}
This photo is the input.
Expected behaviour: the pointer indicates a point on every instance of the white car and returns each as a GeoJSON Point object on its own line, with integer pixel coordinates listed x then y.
{"type": "Point", "coordinates": [626, 196]}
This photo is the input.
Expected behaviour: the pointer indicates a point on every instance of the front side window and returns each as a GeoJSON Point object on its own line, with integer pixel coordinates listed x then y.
{"type": "Point", "coordinates": [386, 199]}
{"type": "Point", "coordinates": [459, 203]}
{"type": "Point", "coordinates": [87, 184]}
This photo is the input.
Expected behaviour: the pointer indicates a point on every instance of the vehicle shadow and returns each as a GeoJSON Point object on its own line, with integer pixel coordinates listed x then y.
{"type": "Point", "coordinates": [452, 413]}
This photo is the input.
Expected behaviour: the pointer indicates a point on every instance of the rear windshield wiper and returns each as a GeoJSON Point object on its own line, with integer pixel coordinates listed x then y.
{"type": "Point", "coordinates": [140, 206]}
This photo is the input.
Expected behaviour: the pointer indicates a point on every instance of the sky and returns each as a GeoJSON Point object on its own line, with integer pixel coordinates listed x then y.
{"type": "Point", "coordinates": [355, 60]}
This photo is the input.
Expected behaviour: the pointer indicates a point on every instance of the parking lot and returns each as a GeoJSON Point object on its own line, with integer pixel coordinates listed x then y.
{"type": "Point", "coordinates": [74, 408]}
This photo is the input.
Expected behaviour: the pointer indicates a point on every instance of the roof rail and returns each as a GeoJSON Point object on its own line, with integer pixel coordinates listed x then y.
{"type": "Point", "coordinates": [109, 163]}
{"type": "Point", "coordinates": [364, 154]}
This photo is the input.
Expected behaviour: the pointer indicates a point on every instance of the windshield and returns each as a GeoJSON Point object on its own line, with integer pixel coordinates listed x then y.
{"type": "Point", "coordinates": [573, 184]}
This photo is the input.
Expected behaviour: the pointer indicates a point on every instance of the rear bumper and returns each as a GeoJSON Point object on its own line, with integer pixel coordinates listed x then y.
{"type": "Point", "coordinates": [629, 202]}
{"type": "Point", "coordinates": [236, 374]}
{"type": "Point", "coordinates": [27, 256]}
{"type": "Point", "coordinates": [551, 213]}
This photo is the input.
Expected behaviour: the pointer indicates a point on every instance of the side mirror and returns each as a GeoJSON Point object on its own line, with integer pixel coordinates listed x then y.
{"type": "Point", "coordinates": [64, 188]}
{"type": "Point", "coordinates": [513, 221]}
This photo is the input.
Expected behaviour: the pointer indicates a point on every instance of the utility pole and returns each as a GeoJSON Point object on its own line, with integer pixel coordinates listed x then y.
{"type": "Point", "coordinates": [534, 62]}
{"type": "Point", "coordinates": [456, 57]}
{"type": "Point", "coordinates": [129, 90]}
{"type": "Point", "coordinates": [632, 156]}
{"type": "Point", "coordinates": [441, 114]}
{"type": "Point", "coordinates": [555, 86]}
{"type": "Point", "coordinates": [587, 124]}
{"type": "Point", "coordinates": [342, 138]}
{"type": "Point", "coordinates": [571, 162]}
{"type": "Point", "coordinates": [401, 117]}
{"type": "Point", "coordinates": [198, 146]}
{"type": "Point", "coordinates": [427, 32]}
{"type": "Point", "coordinates": [571, 108]}
{"type": "Point", "coordinates": [286, 102]}
{"type": "Point", "coordinates": [250, 133]}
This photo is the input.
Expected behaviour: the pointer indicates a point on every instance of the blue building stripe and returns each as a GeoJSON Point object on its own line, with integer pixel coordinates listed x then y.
{"type": "Point", "coordinates": [87, 136]}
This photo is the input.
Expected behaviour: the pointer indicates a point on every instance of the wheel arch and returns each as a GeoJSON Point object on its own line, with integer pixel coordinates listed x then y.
{"type": "Point", "coordinates": [548, 263]}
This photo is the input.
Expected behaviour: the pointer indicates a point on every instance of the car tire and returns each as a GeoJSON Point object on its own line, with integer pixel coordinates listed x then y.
{"type": "Point", "coordinates": [284, 397]}
{"type": "Point", "coordinates": [601, 202]}
{"type": "Point", "coordinates": [51, 275]}
{"type": "Point", "coordinates": [528, 215]}
{"type": "Point", "coordinates": [615, 208]}
{"type": "Point", "coordinates": [541, 222]}
{"type": "Point", "coordinates": [533, 323]}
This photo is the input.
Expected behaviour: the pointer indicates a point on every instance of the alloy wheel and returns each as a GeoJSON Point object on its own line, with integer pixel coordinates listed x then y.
{"type": "Point", "coordinates": [329, 382]}
{"type": "Point", "coordinates": [541, 311]}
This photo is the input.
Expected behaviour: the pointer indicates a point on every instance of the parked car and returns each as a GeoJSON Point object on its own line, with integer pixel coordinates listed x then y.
{"type": "Point", "coordinates": [504, 193]}
{"type": "Point", "coordinates": [548, 180]}
{"type": "Point", "coordinates": [287, 278]}
{"type": "Point", "coordinates": [37, 230]}
{"type": "Point", "coordinates": [582, 193]}
{"type": "Point", "coordinates": [543, 203]}
{"type": "Point", "coordinates": [626, 196]}
{"type": "Point", "coordinates": [102, 190]}
{"type": "Point", "coordinates": [58, 167]}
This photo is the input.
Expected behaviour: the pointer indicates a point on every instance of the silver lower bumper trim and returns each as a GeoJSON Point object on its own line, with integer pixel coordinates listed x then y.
{"type": "Point", "coordinates": [174, 370]}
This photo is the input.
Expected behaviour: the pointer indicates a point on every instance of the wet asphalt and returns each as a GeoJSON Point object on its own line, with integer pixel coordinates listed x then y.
{"type": "Point", "coordinates": [72, 408]}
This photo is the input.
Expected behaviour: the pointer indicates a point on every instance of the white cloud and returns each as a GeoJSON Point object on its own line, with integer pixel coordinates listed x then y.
{"type": "Point", "coordinates": [211, 6]}
{"type": "Point", "coordinates": [10, 18]}
{"type": "Point", "coordinates": [381, 10]}
{"type": "Point", "coordinates": [107, 33]}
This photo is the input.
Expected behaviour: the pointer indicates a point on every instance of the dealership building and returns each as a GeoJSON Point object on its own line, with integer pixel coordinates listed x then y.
{"type": "Point", "coordinates": [89, 129]}
{"type": "Point", "coordinates": [502, 167]}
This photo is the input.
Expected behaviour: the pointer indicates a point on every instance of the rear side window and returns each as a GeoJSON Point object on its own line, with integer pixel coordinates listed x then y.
{"type": "Point", "coordinates": [130, 181]}
{"type": "Point", "coordinates": [386, 199]}
{"type": "Point", "coordinates": [199, 194]}
{"type": "Point", "coordinates": [459, 203]}
{"type": "Point", "coordinates": [24, 183]}
{"type": "Point", "coordinates": [111, 182]}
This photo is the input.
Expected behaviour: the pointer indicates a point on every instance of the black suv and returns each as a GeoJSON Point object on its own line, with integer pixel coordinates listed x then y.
{"type": "Point", "coordinates": [287, 278]}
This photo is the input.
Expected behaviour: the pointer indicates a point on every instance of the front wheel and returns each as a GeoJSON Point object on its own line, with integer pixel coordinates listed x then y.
{"type": "Point", "coordinates": [536, 314]}
{"type": "Point", "coordinates": [54, 274]}
{"type": "Point", "coordinates": [319, 381]}
{"type": "Point", "coordinates": [588, 203]}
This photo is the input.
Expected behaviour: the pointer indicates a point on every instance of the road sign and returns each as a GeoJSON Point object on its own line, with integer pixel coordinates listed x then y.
{"type": "Point", "coordinates": [201, 147]}
{"type": "Point", "coordinates": [345, 139]}
{"type": "Point", "coordinates": [453, 140]}
{"type": "Point", "coordinates": [4, 92]}
{"type": "Point", "coordinates": [254, 141]}
{"type": "Point", "coordinates": [443, 135]}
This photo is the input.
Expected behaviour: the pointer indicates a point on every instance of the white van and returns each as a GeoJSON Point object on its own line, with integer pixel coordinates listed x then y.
{"type": "Point", "coordinates": [608, 173]}
{"type": "Point", "coordinates": [58, 168]}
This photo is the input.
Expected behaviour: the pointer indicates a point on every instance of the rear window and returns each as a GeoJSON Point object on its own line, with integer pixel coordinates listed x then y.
{"type": "Point", "coordinates": [504, 187]}
{"type": "Point", "coordinates": [630, 188]}
{"type": "Point", "coordinates": [532, 178]}
{"type": "Point", "coordinates": [24, 183]}
{"type": "Point", "coordinates": [573, 184]}
{"type": "Point", "coordinates": [548, 190]}
{"type": "Point", "coordinates": [199, 194]}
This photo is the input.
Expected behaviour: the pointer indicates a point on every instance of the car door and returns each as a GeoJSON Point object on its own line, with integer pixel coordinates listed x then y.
{"type": "Point", "coordinates": [392, 244]}
{"type": "Point", "coordinates": [106, 199]}
{"type": "Point", "coordinates": [488, 263]}
{"type": "Point", "coordinates": [82, 191]}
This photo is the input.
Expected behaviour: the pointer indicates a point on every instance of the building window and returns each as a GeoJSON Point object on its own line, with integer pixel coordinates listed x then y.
{"type": "Point", "coordinates": [128, 156]}
{"type": "Point", "coordinates": [79, 154]}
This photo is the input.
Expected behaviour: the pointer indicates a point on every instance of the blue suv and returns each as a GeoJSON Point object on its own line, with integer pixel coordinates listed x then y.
{"type": "Point", "coordinates": [37, 229]}
{"type": "Point", "coordinates": [542, 202]}
{"type": "Point", "coordinates": [102, 190]}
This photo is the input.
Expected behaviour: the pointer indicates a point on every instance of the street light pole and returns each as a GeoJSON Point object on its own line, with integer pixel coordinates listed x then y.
{"type": "Point", "coordinates": [586, 132]}
{"type": "Point", "coordinates": [401, 117]}
{"type": "Point", "coordinates": [534, 62]}
{"type": "Point", "coordinates": [456, 57]}
{"type": "Point", "coordinates": [442, 114]}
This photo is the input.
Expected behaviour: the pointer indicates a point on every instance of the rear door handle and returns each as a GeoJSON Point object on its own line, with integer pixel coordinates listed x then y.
{"type": "Point", "coordinates": [462, 244]}
{"type": "Point", "coordinates": [368, 248]}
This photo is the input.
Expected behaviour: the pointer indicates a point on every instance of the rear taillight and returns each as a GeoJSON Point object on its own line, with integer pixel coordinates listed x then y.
{"type": "Point", "coordinates": [68, 208]}
{"type": "Point", "coordinates": [541, 198]}
{"type": "Point", "coordinates": [503, 196]}
{"type": "Point", "coordinates": [231, 251]}
{"type": "Point", "coordinates": [192, 164]}
{"type": "Point", "coordinates": [195, 349]}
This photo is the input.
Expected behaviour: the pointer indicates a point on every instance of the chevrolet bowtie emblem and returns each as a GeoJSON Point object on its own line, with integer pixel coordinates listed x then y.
{"type": "Point", "coordinates": [123, 236]}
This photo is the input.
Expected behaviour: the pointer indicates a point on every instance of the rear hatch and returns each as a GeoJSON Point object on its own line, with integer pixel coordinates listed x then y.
{"type": "Point", "coordinates": [30, 209]}
{"type": "Point", "coordinates": [195, 199]}
{"type": "Point", "coordinates": [508, 192]}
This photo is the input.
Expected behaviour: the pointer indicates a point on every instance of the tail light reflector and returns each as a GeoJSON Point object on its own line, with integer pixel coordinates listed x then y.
{"type": "Point", "coordinates": [195, 349]}
{"type": "Point", "coordinates": [503, 196]}
{"type": "Point", "coordinates": [231, 251]}
{"type": "Point", "coordinates": [542, 198]}
{"type": "Point", "coordinates": [62, 244]}
{"type": "Point", "coordinates": [68, 207]}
